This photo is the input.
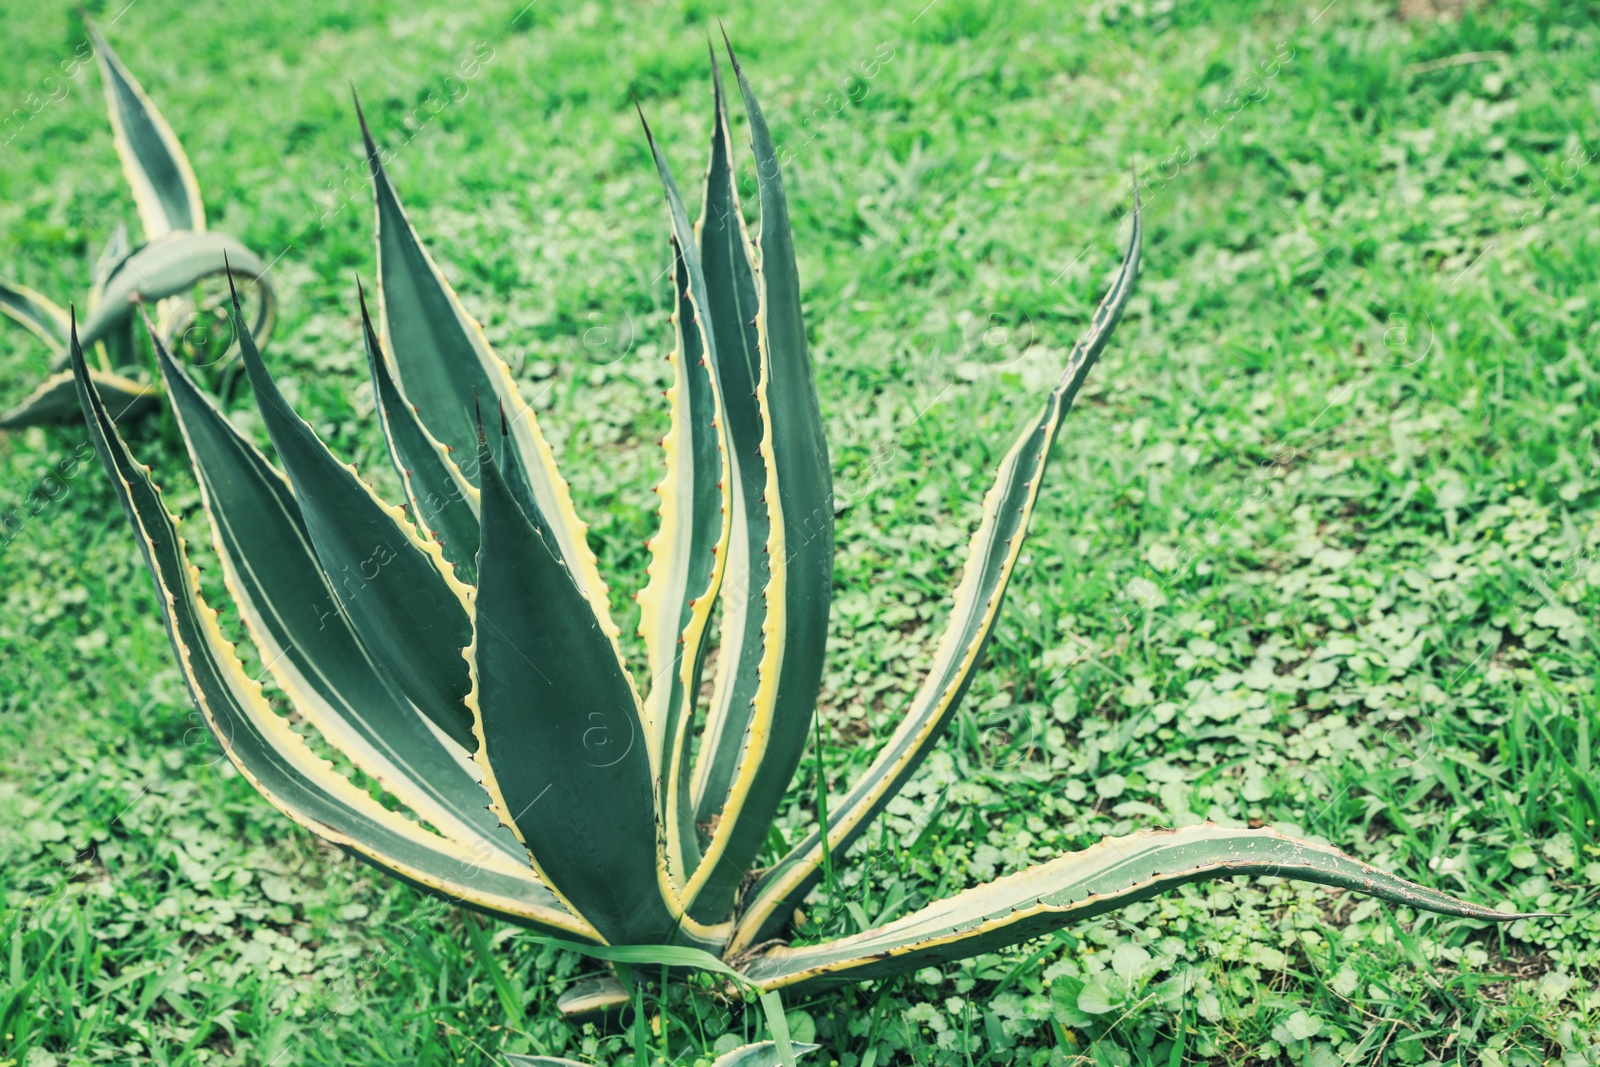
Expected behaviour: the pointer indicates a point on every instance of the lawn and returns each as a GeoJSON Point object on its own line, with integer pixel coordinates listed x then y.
{"type": "Point", "coordinates": [1317, 549]}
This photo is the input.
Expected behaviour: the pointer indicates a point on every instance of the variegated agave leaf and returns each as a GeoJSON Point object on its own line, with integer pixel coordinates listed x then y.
{"type": "Point", "coordinates": [258, 739]}
{"type": "Point", "coordinates": [176, 270]}
{"type": "Point", "coordinates": [459, 650]}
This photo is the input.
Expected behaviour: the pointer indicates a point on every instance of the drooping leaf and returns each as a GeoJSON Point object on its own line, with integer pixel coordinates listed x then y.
{"type": "Point", "coordinates": [560, 738]}
{"type": "Point", "coordinates": [163, 183]}
{"type": "Point", "coordinates": [443, 501]}
{"type": "Point", "coordinates": [307, 640]}
{"type": "Point", "coordinates": [1077, 887]}
{"type": "Point", "coordinates": [56, 400]}
{"type": "Point", "coordinates": [396, 587]}
{"type": "Point", "coordinates": [174, 264]}
{"type": "Point", "coordinates": [991, 558]}
{"type": "Point", "coordinates": [799, 497]}
{"type": "Point", "coordinates": [687, 553]}
{"type": "Point", "coordinates": [262, 745]}
{"type": "Point", "coordinates": [760, 1054]}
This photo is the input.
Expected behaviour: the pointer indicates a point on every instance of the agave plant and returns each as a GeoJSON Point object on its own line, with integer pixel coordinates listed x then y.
{"type": "Point", "coordinates": [170, 269]}
{"type": "Point", "coordinates": [461, 651]}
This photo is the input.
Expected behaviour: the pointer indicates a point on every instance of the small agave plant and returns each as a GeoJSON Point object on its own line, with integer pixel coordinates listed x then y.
{"type": "Point", "coordinates": [170, 270]}
{"type": "Point", "coordinates": [461, 652]}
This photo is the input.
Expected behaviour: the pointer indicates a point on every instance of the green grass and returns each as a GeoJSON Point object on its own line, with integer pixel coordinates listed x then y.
{"type": "Point", "coordinates": [1318, 549]}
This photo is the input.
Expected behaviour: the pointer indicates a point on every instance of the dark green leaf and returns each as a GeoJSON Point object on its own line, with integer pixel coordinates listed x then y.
{"type": "Point", "coordinates": [561, 741]}
{"type": "Point", "coordinates": [442, 500]}
{"type": "Point", "coordinates": [411, 615]}
{"type": "Point", "coordinates": [306, 638]}
{"type": "Point", "coordinates": [263, 746]}
{"type": "Point", "coordinates": [801, 546]}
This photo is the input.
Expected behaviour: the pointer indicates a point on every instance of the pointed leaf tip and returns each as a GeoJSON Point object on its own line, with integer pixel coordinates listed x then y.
{"type": "Point", "coordinates": [374, 164]}
{"type": "Point", "coordinates": [227, 268]}
{"type": "Point", "coordinates": [732, 57]}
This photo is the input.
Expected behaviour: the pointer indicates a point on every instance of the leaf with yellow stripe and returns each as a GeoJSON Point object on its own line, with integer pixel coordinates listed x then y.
{"type": "Point", "coordinates": [593, 998]}
{"type": "Point", "coordinates": [56, 399]}
{"type": "Point", "coordinates": [443, 501]}
{"type": "Point", "coordinates": [396, 587]}
{"type": "Point", "coordinates": [560, 738]}
{"type": "Point", "coordinates": [41, 316]}
{"type": "Point", "coordinates": [446, 367]}
{"type": "Point", "coordinates": [1078, 887]}
{"type": "Point", "coordinates": [733, 304]}
{"type": "Point", "coordinates": [164, 186]}
{"type": "Point", "coordinates": [307, 640]}
{"type": "Point", "coordinates": [261, 744]}
{"type": "Point", "coordinates": [686, 555]}
{"type": "Point", "coordinates": [762, 1054]}
{"type": "Point", "coordinates": [171, 266]}
{"type": "Point", "coordinates": [991, 558]}
{"type": "Point", "coordinates": [799, 550]}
